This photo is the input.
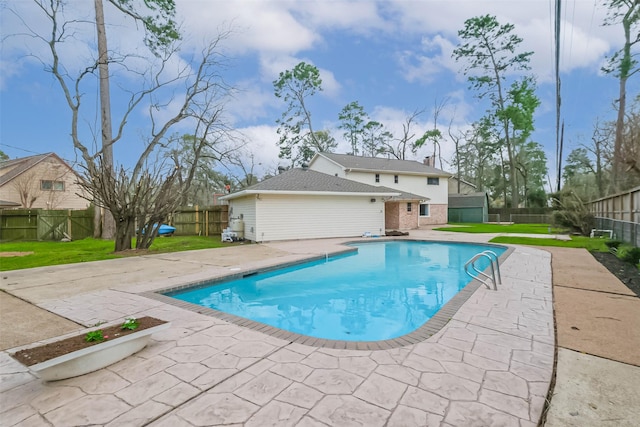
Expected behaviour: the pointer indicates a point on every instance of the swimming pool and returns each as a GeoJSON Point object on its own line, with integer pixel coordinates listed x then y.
{"type": "Point", "coordinates": [384, 290]}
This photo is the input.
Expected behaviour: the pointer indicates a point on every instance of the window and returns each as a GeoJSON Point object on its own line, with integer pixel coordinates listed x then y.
{"type": "Point", "coordinates": [377, 177]}
{"type": "Point", "coordinates": [395, 178]}
{"type": "Point", "coordinates": [433, 181]}
{"type": "Point", "coordinates": [409, 207]}
{"type": "Point", "coordinates": [52, 185]}
{"type": "Point", "coordinates": [424, 209]}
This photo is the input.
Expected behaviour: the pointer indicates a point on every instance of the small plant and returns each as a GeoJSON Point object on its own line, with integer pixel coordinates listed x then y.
{"type": "Point", "coordinates": [130, 323]}
{"type": "Point", "coordinates": [613, 243]}
{"type": "Point", "coordinates": [94, 336]}
{"type": "Point", "coordinates": [629, 254]}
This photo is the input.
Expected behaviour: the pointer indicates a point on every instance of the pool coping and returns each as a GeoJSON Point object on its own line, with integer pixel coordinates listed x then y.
{"type": "Point", "coordinates": [426, 330]}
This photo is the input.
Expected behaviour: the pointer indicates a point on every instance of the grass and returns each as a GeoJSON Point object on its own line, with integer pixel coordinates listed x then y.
{"type": "Point", "coordinates": [55, 253]}
{"type": "Point", "coordinates": [499, 228]}
{"type": "Point", "coordinates": [597, 245]}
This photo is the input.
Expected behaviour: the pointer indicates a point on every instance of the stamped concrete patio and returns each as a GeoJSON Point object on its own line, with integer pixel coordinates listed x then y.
{"type": "Point", "coordinates": [490, 365]}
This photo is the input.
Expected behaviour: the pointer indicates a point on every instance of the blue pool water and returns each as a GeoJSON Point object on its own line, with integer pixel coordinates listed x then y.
{"type": "Point", "coordinates": [382, 291]}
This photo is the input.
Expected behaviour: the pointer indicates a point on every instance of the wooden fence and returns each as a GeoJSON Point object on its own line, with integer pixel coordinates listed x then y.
{"type": "Point", "coordinates": [619, 213]}
{"type": "Point", "coordinates": [42, 224]}
{"type": "Point", "coordinates": [622, 206]}
{"type": "Point", "coordinates": [521, 215]}
{"type": "Point", "coordinates": [200, 221]}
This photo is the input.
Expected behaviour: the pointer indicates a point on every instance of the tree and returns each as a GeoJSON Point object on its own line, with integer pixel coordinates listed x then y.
{"type": "Point", "coordinates": [531, 163]}
{"type": "Point", "coordinates": [405, 142]}
{"type": "Point", "coordinates": [294, 87]}
{"type": "Point", "coordinates": [146, 194]}
{"type": "Point", "coordinates": [476, 155]}
{"type": "Point", "coordinates": [489, 50]}
{"type": "Point", "coordinates": [325, 142]}
{"type": "Point", "coordinates": [353, 119]}
{"type": "Point", "coordinates": [160, 32]}
{"type": "Point", "coordinates": [623, 65]}
{"type": "Point", "coordinates": [206, 180]}
{"type": "Point", "coordinates": [375, 138]}
{"type": "Point", "coordinates": [3, 156]}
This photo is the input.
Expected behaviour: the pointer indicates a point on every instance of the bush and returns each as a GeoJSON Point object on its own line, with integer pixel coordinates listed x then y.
{"type": "Point", "coordinates": [571, 212]}
{"type": "Point", "coordinates": [611, 244]}
{"type": "Point", "coordinates": [629, 254]}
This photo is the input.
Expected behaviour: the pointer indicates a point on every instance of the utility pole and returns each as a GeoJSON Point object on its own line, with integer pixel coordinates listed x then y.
{"type": "Point", "coordinates": [108, 223]}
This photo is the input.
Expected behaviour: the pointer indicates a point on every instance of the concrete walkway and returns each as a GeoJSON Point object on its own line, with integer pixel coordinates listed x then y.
{"type": "Point", "coordinates": [490, 365]}
{"type": "Point", "coordinates": [598, 327]}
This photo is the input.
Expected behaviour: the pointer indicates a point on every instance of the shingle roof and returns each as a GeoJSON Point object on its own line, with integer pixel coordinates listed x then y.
{"type": "Point", "coordinates": [405, 196]}
{"type": "Point", "coordinates": [23, 164]}
{"type": "Point", "coordinates": [307, 180]}
{"type": "Point", "coordinates": [380, 164]}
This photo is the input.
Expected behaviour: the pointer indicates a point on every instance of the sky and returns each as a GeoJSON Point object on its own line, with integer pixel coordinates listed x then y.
{"type": "Point", "coordinates": [393, 57]}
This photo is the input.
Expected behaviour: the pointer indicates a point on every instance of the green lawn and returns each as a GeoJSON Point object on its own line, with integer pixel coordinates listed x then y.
{"type": "Point", "coordinates": [499, 228]}
{"type": "Point", "coordinates": [54, 253]}
{"type": "Point", "coordinates": [575, 242]}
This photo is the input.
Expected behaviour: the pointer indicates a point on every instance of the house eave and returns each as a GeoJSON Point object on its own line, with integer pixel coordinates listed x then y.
{"type": "Point", "coordinates": [244, 193]}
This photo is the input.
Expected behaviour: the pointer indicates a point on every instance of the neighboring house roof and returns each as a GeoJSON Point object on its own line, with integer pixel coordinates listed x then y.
{"type": "Point", "coordinates": [8, 204]}
{"type": "Point", "coordinates": [471, 200]}
{"type": "Point", "coordinates": [307, 181]}
{"type": "Point", "coordinates": [379, 164]}
{"type": "Point", "coordinates": [17, 167]}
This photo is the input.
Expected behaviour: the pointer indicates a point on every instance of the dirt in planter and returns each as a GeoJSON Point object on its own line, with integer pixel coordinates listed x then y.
{"type": "Point", "coordinates": [626, 272]}
{"type": "Point", "coordinates": [31, 356]}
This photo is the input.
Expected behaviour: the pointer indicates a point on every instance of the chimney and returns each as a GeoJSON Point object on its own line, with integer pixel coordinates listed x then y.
{"type": "Point", "coordinates": [429, 161]}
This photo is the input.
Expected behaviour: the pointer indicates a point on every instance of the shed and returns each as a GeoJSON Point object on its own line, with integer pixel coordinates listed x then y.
{"type": "Point", "coordinates": [306, 204]}
{"type": "Point", "coordinates": [473, 207]}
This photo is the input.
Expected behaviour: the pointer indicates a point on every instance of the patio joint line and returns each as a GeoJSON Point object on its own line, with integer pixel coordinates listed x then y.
{"type": "Point", "coordinates": [201, 392]}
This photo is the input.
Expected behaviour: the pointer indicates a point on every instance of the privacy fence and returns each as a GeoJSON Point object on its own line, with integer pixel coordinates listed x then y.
{"type": "Point", "coordinates": [40, 224]}
{"type": "Point", "coordinates": [619, 213]}
{"type": "Point", "coordinates": [521, 215]}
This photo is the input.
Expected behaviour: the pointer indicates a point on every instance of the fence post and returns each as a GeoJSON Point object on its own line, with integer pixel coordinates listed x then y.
{"type": "Point", "coordinates": [197, 221]}
{"type": "Point", "coordinates": [206, 223]}
{"type": "Point", "coordinates": [69, 224]}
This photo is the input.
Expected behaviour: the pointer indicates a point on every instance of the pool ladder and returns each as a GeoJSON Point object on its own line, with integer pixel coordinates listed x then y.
{"type": "Point", "coordinates": [494, 264]}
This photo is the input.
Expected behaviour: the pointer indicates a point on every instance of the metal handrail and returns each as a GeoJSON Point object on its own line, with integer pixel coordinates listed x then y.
{"type": "Point", "coordinates": [495, 260]}
{"type": "Point", "coordinates": [493, 263]}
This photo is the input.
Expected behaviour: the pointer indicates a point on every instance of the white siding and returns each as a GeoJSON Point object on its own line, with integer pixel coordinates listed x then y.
{"type": "Point", "coordinates": [247, 207]}
{"type": "Point", "coordinates": [282, 217]}
{"type": "Point", "coordinates": [408, 183]}
{"type": "Point", "coordinates": [324, 165]}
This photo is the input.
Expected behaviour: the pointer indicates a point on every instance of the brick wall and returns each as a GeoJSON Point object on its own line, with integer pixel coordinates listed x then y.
{"type": "Point", "coordinates": [437, 215]}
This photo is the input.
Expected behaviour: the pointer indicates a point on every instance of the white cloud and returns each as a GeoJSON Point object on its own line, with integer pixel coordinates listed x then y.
{"type": "Point", "coordinates": [259, 26]}
{"type": "Point", "coordinates": [262, 142]}
{"type": "Point", "coordinates": [433, 58]}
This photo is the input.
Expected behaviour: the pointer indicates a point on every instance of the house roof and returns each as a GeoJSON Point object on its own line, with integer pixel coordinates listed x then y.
{"type": "Point", "coordinates": [404, 196]}
{"type": "Point", "coordinates": [379, 164]}
{"type": "Point", "coordinates": [307, 181]}
{"type": "Point", "coordinates": [8, 204]}
{"type": "Point", "coordinates": [17, 167]}
{"type": "Point", "coordinates": [471, 200]}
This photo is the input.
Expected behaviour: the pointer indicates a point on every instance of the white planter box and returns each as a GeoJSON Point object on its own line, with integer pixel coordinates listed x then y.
{"type": "Point", "coordinates": [95, 357]}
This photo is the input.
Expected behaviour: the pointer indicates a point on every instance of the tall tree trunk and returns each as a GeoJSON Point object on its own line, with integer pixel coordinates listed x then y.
{"type": "Point", "coordinates": [617, 174]}
{"type": "Point", "coordinates": [108, 223]}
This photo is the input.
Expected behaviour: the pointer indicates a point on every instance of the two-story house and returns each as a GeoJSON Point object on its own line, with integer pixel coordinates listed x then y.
{"type": "Point", "coordinates": [43, 181]}
{"type": "Point", "coordinates": [409, 177]}
{"type": "Point", "coordinates": [341, 196]}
